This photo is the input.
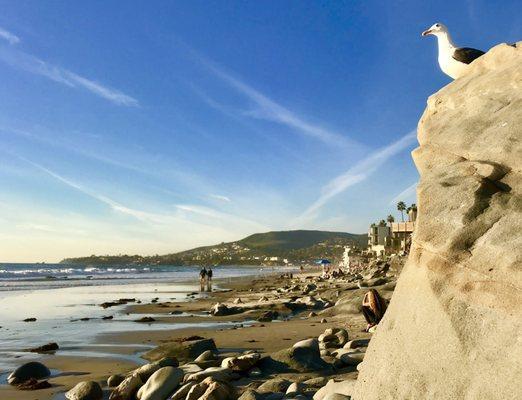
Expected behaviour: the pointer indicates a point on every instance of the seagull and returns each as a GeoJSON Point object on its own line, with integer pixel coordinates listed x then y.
{"type": "Point", "coordinates": [453, 60]}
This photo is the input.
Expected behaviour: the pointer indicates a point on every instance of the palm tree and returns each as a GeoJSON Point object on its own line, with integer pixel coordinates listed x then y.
{"type": "Point", "coordinates": [401, 206]}
{"type": "Point", "coordinates": [390, 219]}
{"type": "Point", "coordinates": [382, 222]}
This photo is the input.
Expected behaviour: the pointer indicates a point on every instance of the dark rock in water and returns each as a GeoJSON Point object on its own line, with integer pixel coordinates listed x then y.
{"type": "Point", "coordinates": [27, 371]}
{"type": "Point", "coordinates": [84, 319]}
{"type": "Point", "coordinates": [183, 350]}
{"type": "Point", "coordinates": [145, 319]}
{"type": "Point", "coordinates": [88, 390]}
{"type": "Point", "coordinates": [45, 348]}
{"type": "Point", "coordinates": [300, 359]}
{"type": "Point", "coordinates": [268, 316]}
{"type": "Point", "coordinates": [118, 302]}
{"type": "Point", "coordinates": [30, 320]}
{"type": "Point", "coordinates": [107, 317]}
{"type": "Point", "coordinates": [176, 312]}
{"type": "Point", "coordinates": [33, 384]}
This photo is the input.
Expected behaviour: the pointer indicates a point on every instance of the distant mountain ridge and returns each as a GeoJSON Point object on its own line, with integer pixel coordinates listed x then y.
{"type": "Point", "coordinates": [259, 248]}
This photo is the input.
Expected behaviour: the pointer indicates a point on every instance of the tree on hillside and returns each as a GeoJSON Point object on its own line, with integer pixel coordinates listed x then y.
{"type": "Point", "coordinates": [401, 206]}
{"type": "Point", "coordinates": [390, 219]}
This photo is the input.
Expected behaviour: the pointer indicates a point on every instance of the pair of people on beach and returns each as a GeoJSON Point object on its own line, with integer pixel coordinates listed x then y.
{"type": "Point", "coordinates": [205, 279]}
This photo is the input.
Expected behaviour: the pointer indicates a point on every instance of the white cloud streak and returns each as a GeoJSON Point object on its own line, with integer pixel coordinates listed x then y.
{"type": "Point", "coordinates": [220, 197]}
{"type": "Point", "coordinates": [31, 64]}
{"type": "Point", "coordinates": [358, 173]}
{"type": "Point", "coordinates": [270, 110]}
{"type": "Point", "coordinates": [405, 194]}
{"type": "Point", "coordinates": [10, 37]}
{"type": "Point", "coordinates": [218, 215]}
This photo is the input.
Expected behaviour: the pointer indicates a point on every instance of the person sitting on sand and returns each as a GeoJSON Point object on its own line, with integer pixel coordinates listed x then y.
{"type": "Point", "coordinates": [373, 308]}
{"type": "Point", "coordinates": [202, 278]}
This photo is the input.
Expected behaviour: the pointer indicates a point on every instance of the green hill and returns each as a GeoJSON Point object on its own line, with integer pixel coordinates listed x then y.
{"type": "Point", "coordinates": [260, 248]}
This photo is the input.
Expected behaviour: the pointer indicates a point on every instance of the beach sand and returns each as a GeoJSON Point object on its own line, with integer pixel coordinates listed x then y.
{"type": "Point", "coordinates": [242, 333]}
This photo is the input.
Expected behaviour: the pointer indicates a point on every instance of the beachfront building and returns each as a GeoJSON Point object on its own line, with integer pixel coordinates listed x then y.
{"type": "Point", "coordinates": [379, 238]}
{"type": "Point", "coordinates": [394, 237]}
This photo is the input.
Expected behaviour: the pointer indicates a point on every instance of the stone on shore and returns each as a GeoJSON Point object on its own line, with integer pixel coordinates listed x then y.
{"type": "Point", "coordinates": [145, 371]}
{"type": "Point", "coordinates": [127, 388]}
{"type": "Point", "coordinates": [299, 359]}
{"type": "Point", "coordinates": [115, 380]}
{"type": "Point", "coordinates": [344, 388]}
{"type": "Point", "coordinates": [308, 343]}
{"type": "Point", "coordinates": [161, 384]}
{"type": "Point", "coordinates": [88, 390]}
{"type": "Point", "coordinates": [216, 373]}
{"type": "Point", "coordinates": [33, 369]}
{"type": "Point", "coordinates": [241, 363]}
{"type": "Point", "coordinates": [274, 385]}
{"type": "Point", "coordinates": [452, 329]}
{"type": "Point", "coordinates": [182, 350]}
{"type": "Point", "coordinates": [46, 348]}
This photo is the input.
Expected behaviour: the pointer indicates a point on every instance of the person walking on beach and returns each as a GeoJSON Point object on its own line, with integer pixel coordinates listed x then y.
{"type": "Point", "coordinates": [202, 279]}
{"type": "Point", "coordinates": [209, 279]}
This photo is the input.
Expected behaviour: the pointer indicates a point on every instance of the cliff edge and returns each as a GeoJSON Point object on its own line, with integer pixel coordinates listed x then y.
{"type": "Point", "coordinates": [453, 329]}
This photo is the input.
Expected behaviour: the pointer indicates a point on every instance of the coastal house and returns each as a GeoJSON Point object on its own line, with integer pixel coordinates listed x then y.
{"type": "Point", "coordinates": [392, 238]}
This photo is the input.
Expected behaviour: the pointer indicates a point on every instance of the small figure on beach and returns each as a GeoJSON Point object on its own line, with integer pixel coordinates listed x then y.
{"type": "Point", "coordinates": [209, 279]}
{"type": "Point", "coordinates": [373, 308]}
{"type": "Point", "coordinates": [202, 279]}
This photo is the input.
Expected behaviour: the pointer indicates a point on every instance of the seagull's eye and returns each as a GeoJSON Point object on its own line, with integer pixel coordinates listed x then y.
{"type": "Point", "coordinates": [437, 25]}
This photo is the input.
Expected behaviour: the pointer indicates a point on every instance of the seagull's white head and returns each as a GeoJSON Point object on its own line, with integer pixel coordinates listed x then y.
{"type": "Point", "coordinates": [436, 29]}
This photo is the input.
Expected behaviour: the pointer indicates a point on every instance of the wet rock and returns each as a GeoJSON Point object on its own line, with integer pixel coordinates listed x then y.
{"type": "Point", "coordinates": [33, 384]}
{"type": "Point", "coordinates": [107, 317]}
{"type": "Point", "coordinates": [145, 319]}
{"type": "Point", "coordinates": [268, 316]}
{"type": "Point", "coordinates": [88, 390]}
{"type": "Point", "coordinates": [33, 369]}
{"type": "Point", "coordinates": [127, 389]}
{"type": "Point", "coordinates": [30, 320]}
{"type": "Point", "coordinates": [46, 348]}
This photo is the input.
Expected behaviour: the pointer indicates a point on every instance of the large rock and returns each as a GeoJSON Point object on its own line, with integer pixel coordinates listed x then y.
{"type": "Point", "coordinates": [127, 388]}
{"type": "Point", "coordinates": [145, 371]}
{"type": "Point", "coordinates": [88, 390]}
{"type": "Point", "coordinates": [30, 370]}
{"type": "Point", "coordinates": [161, 383]}
{"type": "Point", "coordinates": [452, 330]}
{"type": "Point", "coordinates": [300, 359]}
{"type": "Point", "coordinates": [332, 387]}
{"type": "Point", "coordinates": [181, 350]}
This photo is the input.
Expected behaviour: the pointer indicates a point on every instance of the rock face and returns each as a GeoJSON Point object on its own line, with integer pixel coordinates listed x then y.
{"type": "Point", "coordinates": [452, 326]}
{"type": "Point", "coordinates": [30, 370]}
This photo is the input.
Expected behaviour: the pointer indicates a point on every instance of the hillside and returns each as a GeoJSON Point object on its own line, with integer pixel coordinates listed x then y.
{"type": "Point", "coordinates": [260, 248]}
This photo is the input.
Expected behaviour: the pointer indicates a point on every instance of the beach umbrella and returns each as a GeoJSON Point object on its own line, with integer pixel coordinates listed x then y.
{"type": "Point", "coordinates": [323, 261]}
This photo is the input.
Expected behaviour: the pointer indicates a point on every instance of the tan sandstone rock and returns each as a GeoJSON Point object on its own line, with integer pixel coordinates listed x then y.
{"type": "Point", "coordinates": [452, 330]}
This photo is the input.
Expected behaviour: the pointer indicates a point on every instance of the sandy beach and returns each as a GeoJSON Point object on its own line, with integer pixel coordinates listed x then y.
{"type": "Point", "coordinates": [118, 352]}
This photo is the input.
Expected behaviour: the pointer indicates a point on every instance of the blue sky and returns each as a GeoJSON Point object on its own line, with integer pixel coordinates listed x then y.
{"type": "Point", "coordinates": [128, 127]}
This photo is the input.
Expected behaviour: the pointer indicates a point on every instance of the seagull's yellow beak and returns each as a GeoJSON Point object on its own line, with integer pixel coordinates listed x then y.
{"type": "Point", "coordinates": [426, 32]}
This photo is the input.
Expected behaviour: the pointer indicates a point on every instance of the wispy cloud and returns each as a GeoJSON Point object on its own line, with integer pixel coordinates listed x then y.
{"type": "Point", "coordinates": [220, 197]}
{"type": "Point", "coordinates": [358, 173]}
{"type": "Point", "coordinates": [405, 194]}
{"type": "Point", "coordinates": [29, 63]}
{"type": "Point", "coordinates": [268, 109]}
{"type": "Point", "coordinates": [221, 216]}
{"type": "Point", "coordinates": [10, 37]}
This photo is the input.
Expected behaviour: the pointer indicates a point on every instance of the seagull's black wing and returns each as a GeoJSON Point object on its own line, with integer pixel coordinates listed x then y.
{"type": "Point", "coordinates": [466, 54]}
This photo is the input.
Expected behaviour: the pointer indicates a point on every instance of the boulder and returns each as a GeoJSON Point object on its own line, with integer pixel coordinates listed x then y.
{"type": "Point", "coordinates": [333, 338]}
{"type": "Point", "coordinates": [88, 390]}
{"type": "Point", "coordinates": [127, 388]}
{"type": "Point", "coordinates": [115, 380]}
{"type": "Point", "coordinates": [241, 363]}
{"type": "Point", "coordinates": [452, 329]}
{"type": "Point", "coordinates": [356, 343]}
{"type": "Point", "coordinates": [33, 384]}
{"type": "Point", "coordinates": [183, 391]}
{"type": "Point", "coordinates": [207, 355]}
{"type": "Point", "coordinates": [308, 343]}
{"type": "Point", "coordinates": [216, 373]}
{"type": "Point", "coordinates": [46, 348]}
{"type": "Point", "coordinates": [295, 388]}
{"type": "Point", "coordinates": [268, 316]}
{"type": "Point", "coordinates": [182, 350]}
{"type": "Point", "coordinates": [33, 369]}
{"type": "Point", "coordinates": [216, 390]}
{"type": "Point", "coordinates": [274, 385]}
{"type": "Point", "coordinates": [332, 387]}
{"type": "Point", "coordinates": [299, 359]}
{"type": "Point", "coordinates": [161, 383]}
{"type": "Point", "coordinates": [145, 371]}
